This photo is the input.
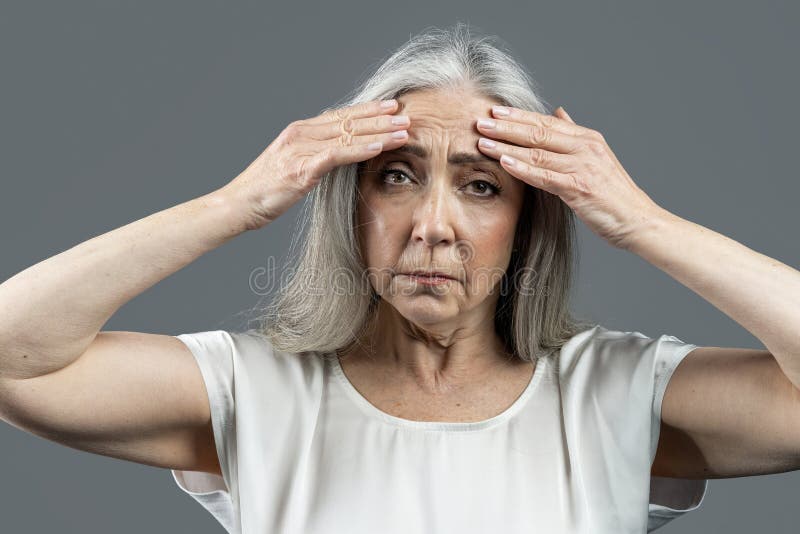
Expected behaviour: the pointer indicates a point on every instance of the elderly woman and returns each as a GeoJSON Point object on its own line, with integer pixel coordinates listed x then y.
{"type": "Point", "coordinates": [419, 371]}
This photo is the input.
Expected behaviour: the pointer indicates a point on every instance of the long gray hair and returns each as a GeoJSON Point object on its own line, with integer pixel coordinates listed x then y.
{"type": "Point", "coordinates": [326, 303]}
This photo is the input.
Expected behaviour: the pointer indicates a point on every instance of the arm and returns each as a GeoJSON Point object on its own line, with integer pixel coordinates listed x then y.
{"type": "Point", "coordinates": [138, 396]}
{"type": "Point", "coordinates": [127, 395]}
{"type": "Point", "coordinates": [726, 411]}
{"type": "Point", "coordinates": [52, 311]}
{"type": "Point", "coordinates": [79, 289]}
{"type": "Point", "coordinates": [729, 411]}
{"type": "Point", "coordinates": [758, 292]}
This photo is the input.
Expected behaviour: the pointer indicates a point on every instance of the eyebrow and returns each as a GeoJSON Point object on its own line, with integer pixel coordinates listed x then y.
{"type": "Point", "coordinates": [456, 158]}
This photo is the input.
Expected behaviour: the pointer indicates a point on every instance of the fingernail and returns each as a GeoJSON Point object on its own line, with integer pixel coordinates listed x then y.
{"type": "Point", "coordinates": [400, 134]}
{"type": "Point", "coordinates": [386, 104]}
{"type": "Point", "coordinates": [501, 111]}
{"type": "Point", "coordinates": [486, 123]}
{"type": "Point", "coordinates": [487, 143]}
{"type": "Point", "coordinates": [508, 160]}
{"type": "Point", "coordinates": [375, 146]}
{"type": "Point", "coordinates": [400, 119]}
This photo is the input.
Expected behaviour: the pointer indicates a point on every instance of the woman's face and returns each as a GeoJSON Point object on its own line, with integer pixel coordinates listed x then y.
{"type": "Point", "coordinates": [438, 203]}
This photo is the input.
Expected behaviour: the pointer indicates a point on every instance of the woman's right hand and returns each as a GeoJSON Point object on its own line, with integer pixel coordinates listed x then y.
{"type": "Point", "coordinates": [307, 149]}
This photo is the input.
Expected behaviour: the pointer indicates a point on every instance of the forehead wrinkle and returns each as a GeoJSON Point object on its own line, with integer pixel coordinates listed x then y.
{"type": "Point", "coordinates": [424, 116]}
{"type": "Point", "coordinates": [452, 124]}
{"type": "Point", "coordinates": [440, 122]}
{"type": "Point", "coordinates": [454, 158]}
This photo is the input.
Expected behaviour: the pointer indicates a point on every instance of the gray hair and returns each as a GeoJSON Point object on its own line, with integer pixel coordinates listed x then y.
{"type": "Point", "coordinates": [309, 314]}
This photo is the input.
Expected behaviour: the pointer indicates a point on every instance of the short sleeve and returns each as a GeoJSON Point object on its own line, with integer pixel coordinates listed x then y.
{"type": "Point", "coordinates": [669, 497]}
{"type": "Point", "coordinates": [214, 353]}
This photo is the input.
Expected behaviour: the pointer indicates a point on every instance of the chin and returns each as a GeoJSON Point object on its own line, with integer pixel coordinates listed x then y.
{"type": "Point", "coordinates": [425, 313]}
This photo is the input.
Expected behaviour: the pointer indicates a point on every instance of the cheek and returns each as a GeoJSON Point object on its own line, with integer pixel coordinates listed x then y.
{"type": "Point", "coordinates": [380, 234]}
{"type": "Point", "coordinates": [380, 227]}
{"type": "Point", "coordinates": [492, 239]}
{"type": "Point", "coordinates": [492, 235]}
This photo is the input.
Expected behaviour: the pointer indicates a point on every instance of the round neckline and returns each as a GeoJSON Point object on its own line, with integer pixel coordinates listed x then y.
{"type": "Point", "coordinates": [444, 426]}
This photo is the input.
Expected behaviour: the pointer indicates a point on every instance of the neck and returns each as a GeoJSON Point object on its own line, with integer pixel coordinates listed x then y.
{"type": "Point", "coordinates": [438, 358]}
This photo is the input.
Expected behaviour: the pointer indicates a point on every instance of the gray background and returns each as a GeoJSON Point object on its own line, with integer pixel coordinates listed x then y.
{"type": "Point", "coordinates": [112, 111]}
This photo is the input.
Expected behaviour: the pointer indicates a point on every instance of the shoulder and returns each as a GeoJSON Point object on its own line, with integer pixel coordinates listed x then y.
{"type": "Point", "coordinates": [246, 344]}
{"type": "Point", "coordinates": [254, 352]}
{"type": "Point", "coordinates": [603, 352]}
{"type": "Point", "coordinates": [599, 344]}
{"type": "Point", "coordinates": [249, 355]}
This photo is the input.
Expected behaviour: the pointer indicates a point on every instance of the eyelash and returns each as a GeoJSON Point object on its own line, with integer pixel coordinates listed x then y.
{"type": "Point", "coordinates": [494, 188]}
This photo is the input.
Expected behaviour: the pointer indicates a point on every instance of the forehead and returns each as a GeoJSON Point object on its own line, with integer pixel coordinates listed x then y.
{"type": "Point", "coordinates": [449, 112]}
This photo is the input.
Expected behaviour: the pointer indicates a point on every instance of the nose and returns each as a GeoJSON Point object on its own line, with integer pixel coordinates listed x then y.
{"type": "Point", "coordinates": [433, 224]}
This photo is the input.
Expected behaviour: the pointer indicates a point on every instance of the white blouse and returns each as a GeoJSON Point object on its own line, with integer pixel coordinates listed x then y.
{"type": "Point", "coordinates": [302, 451]}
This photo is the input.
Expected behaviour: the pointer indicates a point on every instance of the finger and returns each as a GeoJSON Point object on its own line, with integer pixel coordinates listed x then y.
{"type": "Point", "coordinates": [388, 141]}
{"type": "Point", "coordinates": [342, 154]}
{"type": "Point", "coordinates": [355, 111]}
{"type": "Point", "coordinates": [531, 135]}
{"type": "Point", "coordinates": [563, 113]}
{"type": "Point", "coordinates": [541, 119]}
{"type": "Point", "coordinates": [549, 180]}
{"type": "Point", "coordinates": [354, 127]}
{"type": "Point", "coordinates": [393, 139]}
{"type": "Point", "coordinates": [534, 156]}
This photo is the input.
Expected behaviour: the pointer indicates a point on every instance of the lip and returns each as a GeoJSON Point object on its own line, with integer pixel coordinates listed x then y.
{"type": "Point", "coordinates": [430, 280]}
{"type": "Point", "coordinates": [429, 274]}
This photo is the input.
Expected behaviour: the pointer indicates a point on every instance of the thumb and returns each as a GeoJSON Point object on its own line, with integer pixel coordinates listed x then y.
{"type": "Point", "coordinates": [563, 113]}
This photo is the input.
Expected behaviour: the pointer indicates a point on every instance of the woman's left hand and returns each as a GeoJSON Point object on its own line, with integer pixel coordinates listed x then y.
{"type": "Point", "coordinates": [553, 153]}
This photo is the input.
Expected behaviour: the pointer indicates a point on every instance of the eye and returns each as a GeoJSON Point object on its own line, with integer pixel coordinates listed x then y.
{"type": "Point", "coordinates": [389, 176]}
{"type": "Point", "coordinates": [485, 188]}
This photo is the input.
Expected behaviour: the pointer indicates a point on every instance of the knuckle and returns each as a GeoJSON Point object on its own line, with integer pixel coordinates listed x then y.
{"type": "Point", "coordinates": [345, 140]}
{"type": "Point", "coordinates": [347, 125]}
{"type": "Point", "coordinates": [538, 157]}
{"type": "Point", "coordinates": [594, 134]}
{"type": "Point", "coordinates": [364, 107]}
{"type": "Point", "coordinates": [548, 177]}
{"type": "Point", "coordinates": [596, 147]}
{"type": "Point", "coordinates": [292, 131]}
{"type": "Point", "coordinates": [537, 135]}
{"type": "Point", "coordinates": [548, 120]}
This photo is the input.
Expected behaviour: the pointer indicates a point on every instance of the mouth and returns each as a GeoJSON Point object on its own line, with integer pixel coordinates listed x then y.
{"type": "Point", "coordinates": [429, 277]}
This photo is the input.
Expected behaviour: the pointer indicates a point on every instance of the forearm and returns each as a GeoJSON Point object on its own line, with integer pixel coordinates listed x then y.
{"type": "Point", "coordinates": [51, 311]}
{"type": "Point", "coordinates": [758, 292]}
